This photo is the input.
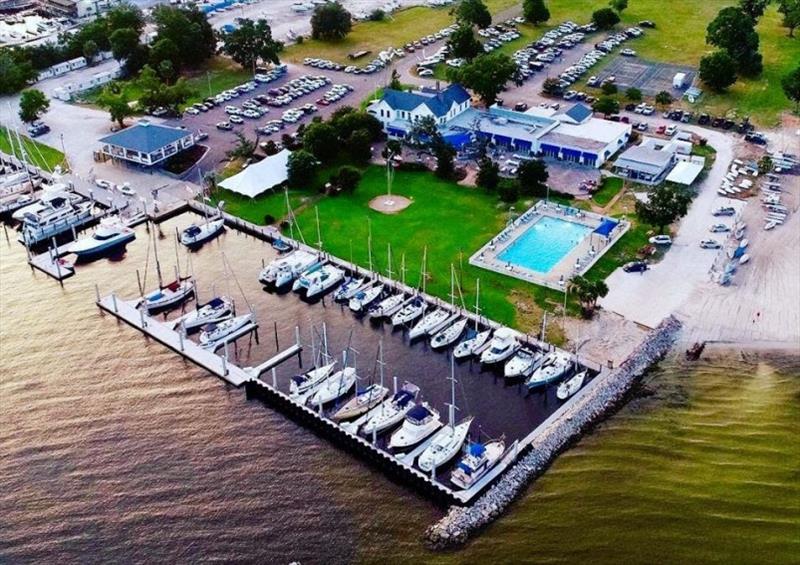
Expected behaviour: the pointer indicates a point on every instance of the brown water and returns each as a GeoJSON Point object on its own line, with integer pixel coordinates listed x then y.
{"type": "Point", "coordinates": [113, 449]}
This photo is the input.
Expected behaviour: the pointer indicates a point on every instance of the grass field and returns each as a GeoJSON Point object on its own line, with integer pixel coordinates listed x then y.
{"type": "Point", "coordinates": [608, 190]}
{"type": "Point", "coordinates": [41, 155]}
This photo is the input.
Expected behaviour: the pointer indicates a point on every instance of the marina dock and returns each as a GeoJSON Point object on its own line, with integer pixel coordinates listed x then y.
{"type": "Point", "coordinates": [51, 263]}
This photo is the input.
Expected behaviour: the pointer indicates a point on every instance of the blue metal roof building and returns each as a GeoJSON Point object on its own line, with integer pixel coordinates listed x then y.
{"type": "Point", "coordinates": [146, 143]}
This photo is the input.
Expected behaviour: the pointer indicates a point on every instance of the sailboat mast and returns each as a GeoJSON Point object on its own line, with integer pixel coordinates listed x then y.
{"type": "Point", "coordinates": [319, 235]}
{"type": "Point", "coordinates": [158, 264]}
{"type": "Point", "coordinates": [325, 339]}
{"type": "Point", "coordinates": [403, 269]}
{"type": "Point", "coordinates": [452, 407]}
{"type": "Point", "coordinates": [389, 271]}
{"type": "Point", "coordinates": [477, 302]}
{"type": "Point", "coordinates": [423, 274]}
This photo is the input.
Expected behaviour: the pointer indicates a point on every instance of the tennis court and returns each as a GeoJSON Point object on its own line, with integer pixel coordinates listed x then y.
{"type": "Point", "coordinates": [651, 78]}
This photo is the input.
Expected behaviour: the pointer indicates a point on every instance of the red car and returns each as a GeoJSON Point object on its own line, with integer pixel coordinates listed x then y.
{"type": "Point", "coordinates": [661, 129]}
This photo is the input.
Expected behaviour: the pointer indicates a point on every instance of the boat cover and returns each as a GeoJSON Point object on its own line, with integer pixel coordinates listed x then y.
{"type": "Point", "coordinates": [477, 449]}
{"type": "Point", "coordinates": [215, 302]}
{"type": "Point", "coordinates": [418, 413]}
{"type": "Point", "coordinates": [606, 227]}
{"type": "Point", "coordinates": [192, 230]}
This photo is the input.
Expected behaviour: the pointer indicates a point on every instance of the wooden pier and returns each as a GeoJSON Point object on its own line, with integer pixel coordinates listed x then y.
{"type": "Point", "coordinates": [51, 263]}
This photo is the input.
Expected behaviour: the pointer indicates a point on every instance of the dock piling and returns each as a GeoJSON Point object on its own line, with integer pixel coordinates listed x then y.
{"type": "Point", "coordinates": [274, 378]}
{"type": "Point", "coordinates": [141, 318]}
{"type": "Point", "coordinates": [394, 380]}
{"type": "Point", "coordinates": [114, 300]}
{"type": "Point", "coordinates": [225, 360]}
{"type": "Point", "coordinates": [180, 340]}
{"type": "Point", "coordinates": [97, 292]}
{"type": "Point", "coordinates": [275, 327]}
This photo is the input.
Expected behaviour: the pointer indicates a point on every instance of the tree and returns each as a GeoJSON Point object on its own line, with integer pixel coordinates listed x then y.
{"type": "Point", "coordinates": [302, 167]}
{"type": "Point", "coordinates": [377, 15]}
{"type": "Point", "coordinates": [330, 22]}
{"type": "Point", "coordinates": [394, 82]}
{"type": "Point", "coordinates": [605, 18]}
{"type": "Point", "coordinates": [551, 86]}
{"type": "Point", "coordinates": [348, 178]}
{"type": "Point", "coordinates": [124, 43]}
{"type": "Point", "coordinates": [734, 31]}
{"type": "Point", "coordinates": [251, 42]}
{"type": "Point", "coordinates": [423, 132]}
{"type": "Point", "coordinates": [463, 43]}
{"type": "Point", "coordinates": [618, 5]}
{"type": "Point", "coordinates": [753, 8]}
{"type": "Point", "coordinates": [444, 154]}
{"type": "Point", "coordinates": [791, 87]}
{"type": "Point", "coordinates": [664, 205]}
{"type": "Point", "coordinates": [487, 75]}
{"type": "Point", "coordinates": [664, 98]}
{"type": "Point", "coordinates": [164, 50]}
{"type": "Point", "coordinates": [474, 12]}
{"type": "Point", "coordinates": [393, 147]}
{"type": "Point", "coordinates": [125, 16]}
{"type": "Point", "coordinates": [359, 145]}
{"type": "Point", "coordinates": [321, 140]}
{"type": "Point", "coordinates": [15, 72]}
{"type": "Point", "coordinates": [189, 30]}
{"type": "Point", "coordinates": [32, 104]}
{"type": "Point", "coordinates": [488, 174]}
{"type": "Point", "coordinates": [765, 165]}
{"type": "Point", "coordinates": [166, 70]}
{"type": "Point", "coordinates": [346, 120]}
{"type": "Point", "coordinates": [532, 177]}
{"type": "Point", "coordinates": [609, 88]}
{"type": "Point", "coordinates": [116, 101]}
{"type": "Point", "coordinates": [633, 94]}
{"type": "Point", "coordinates": [155, 93]}
{"type": "Point", "coordinates": [244, 148]}
{"type": "Point", "coordinates": [535, 11]}
{"type": "Point", "coordinates": [588, 292]}
{"type": "Point", "coordinates": [90, 51]}
{"type": "Point", "coordinates": [606, 105]}
{"type": "Point", "coordinates": [718, 70]}
{"type": "Point", "coordinates": [790, 9]}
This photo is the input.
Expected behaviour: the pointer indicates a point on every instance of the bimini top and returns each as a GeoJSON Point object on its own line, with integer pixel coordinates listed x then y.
{"type": "Point", "coordinates": [418, 413]}
{"type": "Point", "coordinates": [145, 137]}
{"type": "Point", "coordinates": [215, 302]}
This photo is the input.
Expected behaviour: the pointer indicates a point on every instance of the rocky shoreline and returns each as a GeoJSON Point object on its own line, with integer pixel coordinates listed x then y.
{"type": "Point", "coordinates": [460, 523]}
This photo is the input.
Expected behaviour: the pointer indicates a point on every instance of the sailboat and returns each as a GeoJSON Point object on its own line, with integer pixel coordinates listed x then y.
{"type": "Point", "coordinates": [364, 297]}
{"type": "Point", "coordinates": [349, 288]}
{"type": "Point", "coordinates": [335, 386]}
{"type": "Point", "coordinates": [474, 341]}
{"type": "Point", "coordinates": [196, 235]}
{"type": "Point", "coordinates": [323, 367]}
{"type": "Point", "coordinates": [391, 411]}
{"type": "Point", "coordinates": [365, 398]}
{"type": "Point", "coordinates": [571, 386]}
{"type": "Point", "coordinates": [318, 279]}
{"type": "Point", "coordinates": [448, 441]}
{"type": "Point", "coordinates": [215, 310]}
{"type": "Point", "coordinates": [479, 459]}
{"type": "Point", "coordinates": [169, 295]}
{"type": "Point", "coordinates": [393, 302]}
{"type": "Point", "coordinates": [216, 332]}
{"type": "Point", "coordinates": [450, 332]}
{"type": "Point", "coordinates": [284, 270]}
{"type": "Point", "coordinates": [554, 368]}
{"type": "Point", "coordinates": [415, 305]}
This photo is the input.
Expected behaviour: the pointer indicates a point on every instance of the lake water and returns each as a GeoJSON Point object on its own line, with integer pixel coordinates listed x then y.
{"type": "Point", "coordinates": [114, 449]}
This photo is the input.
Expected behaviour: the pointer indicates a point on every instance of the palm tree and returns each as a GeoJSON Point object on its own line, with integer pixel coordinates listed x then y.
{"type": "Point", "coordinates": [588, 292]}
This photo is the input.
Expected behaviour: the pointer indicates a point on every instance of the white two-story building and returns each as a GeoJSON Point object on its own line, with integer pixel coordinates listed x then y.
{"type": "Point", "coordinates": [398, 110]}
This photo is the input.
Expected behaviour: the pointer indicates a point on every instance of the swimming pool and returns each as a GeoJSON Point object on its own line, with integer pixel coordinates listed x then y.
{"type": "Point", "coordinates": [544, 244]}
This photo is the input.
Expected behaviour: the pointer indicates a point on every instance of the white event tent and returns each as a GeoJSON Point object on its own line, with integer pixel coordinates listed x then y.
{"type": "Point", "coordinates": [260, 177]}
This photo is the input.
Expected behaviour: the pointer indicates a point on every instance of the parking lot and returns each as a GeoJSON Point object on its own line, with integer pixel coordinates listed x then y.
{"type": "Point", "coordinates": [651, 78]}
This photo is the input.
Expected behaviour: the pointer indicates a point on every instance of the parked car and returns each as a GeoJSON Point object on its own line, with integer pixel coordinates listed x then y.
{"type": "Point", "coordinates": [635, 267]}
{"type": "Point", "coordinates": [126, 190]}
{"type": "Point", "coordinates": [710, 244]}
{"type": "Point", "coordinates": [225, 126]}
{"type": "Point", "coordinates": [628, 53]}
{"type": "Point", "coordinates": [236, 119]}
{"type": "Point", "coordinates": [661, 240]}
{"type": "Point", "coordinates": [37, 129]}
{"type": "Point", "coordinates": [671, 130]}
{"type": "Point", "coordinates": [703, 119]}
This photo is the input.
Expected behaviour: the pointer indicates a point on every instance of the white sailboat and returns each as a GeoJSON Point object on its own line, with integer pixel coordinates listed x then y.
{"type": "Point", "coordinates": [284, 270]}
{"type": "Point", "coordinates": [449, 335]}
{"type": "Point", "coordinates": [169, 295]}
{"type": "Point", "coordinates": [554, 368]}
{"type": "Point", "coordinates": [503, 345]}
{"type": "Point", "coordinates": [367, 398]}
{"type": "Point", "coordinates": [474, 341]}
{"type": "Point", "coordinates": [318, 279]}
{"type": "Point", "coordinates": [216, 332]}
{"type": "Point", "coordinates": [571, 386]}
{"type": "Point", "coordinates": [364, 297]}
{"type": "Point", "coordinates": [392, 303]}
{"type": "Point", "coordinates": [110, 234]}
{"type": "Point", "coordinates": [215, 310]}
{"type": "Point", "coordinates": [430, 322]}
{"type": "Point", "coordinates": [478, 460]}
{"type": "Point", "coordinates": [335, 386]}
{"type": "Point", "coordinates": [391, 411]}
{"type": "Point", "coordinates": [349, 288]}
{"type": "Point", "coordinates": [420, 422]}
{"type": "Point", "coordinates": [523, 363]}
{"type": "Point", "coordinates": [411, 310]}
{"type": "Point", "coordinates": [196, 235]}
{"type": "Point", "coordinates": [304, 384]}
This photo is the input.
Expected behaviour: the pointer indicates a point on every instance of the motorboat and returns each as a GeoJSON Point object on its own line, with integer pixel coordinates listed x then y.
{"type": "Point", "coordinates": [554, 367]}
{"type": "Point", "coordinates": [472, 344]}
{"type": "Point", "coordinates": [503, 345]}
{"type": "Point", "coordinates": [410, 311]}
{"type": "Point", "coordinates": [364, 297]}
{"type": "Point", "coordinates": [109, 234]}
{"type": "Point", "coordinates": [430, 322]}
{"type": "Point", "coordinates": [335, 386]}
{"type": "Point", "coordinates": [169, 295]}
{"type": "Point", "coordinates": [364, 399]}
{"type": "Point", "coordinates": [215, 332]}
{"type": "Point", "coordinates": [58, 216]}
{"type": "Point", "coordinates": [284, 270]}
{"type": "Point", "coordinates": [301, 384]}
{"type": "Point", "coordinates": [571, 386]}
{"type": "Point", "coordinates": [349, 288]}
{"type": "Point", "coordinates": [13, 204]}
{"type": "Point", "coordinates": [196, 235]}
{"type": "Point", "coordinates": [387, 307]}
{"type": "Point", "coordinates": [51, 195]}
{"type": "Point", "coordinates": [479, 459]}
{"type": "Point", "coordinates": [444, 446]}
{"type": "Point", "coordinates": [318, 279]}
{"type": "Point", "coordinates": [391, 411]}
{"type": "Point", "coordinates": [215, 310]}
{"type": "Point", "coordinates": [523, 363]}
{"type": "Point", "coordinates": [449, 335]}
{"type": "Point", "coordinates": [420, 422]}
{"type": "Point", "coordinates": [281, 246]}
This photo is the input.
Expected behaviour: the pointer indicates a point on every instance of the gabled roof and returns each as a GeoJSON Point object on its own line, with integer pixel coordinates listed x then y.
{"type": "Point", "coordinates": [438, 103]}
{"type": "Point", "coordinates": [579, 113]}
{"type": "Point", "coordinates": [145, 137]}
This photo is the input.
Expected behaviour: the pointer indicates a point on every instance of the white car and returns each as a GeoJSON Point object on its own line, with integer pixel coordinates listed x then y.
{"type": "Point", "coordinates": [710, 244]}
{"type": "Point", "coordinates": [425, 73]}
{"type": "Point", "coordinates": [192, 111]}
{"type": "Point", "coordinates": [236, 120]}
{"type": "Point", "coordinates": [671, 130]}
{"type": "Point", "coordinates": [628, 52]}
{"type": "Point", "coordinates": [126, 190]}
{"type": "Point", "coordinates": [108, 185]}
{"type": "Point", "coordinates": [661, 240]}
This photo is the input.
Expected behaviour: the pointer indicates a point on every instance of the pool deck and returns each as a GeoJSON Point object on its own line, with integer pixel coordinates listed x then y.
{"type": "Point", "coordinates": [576, 262]}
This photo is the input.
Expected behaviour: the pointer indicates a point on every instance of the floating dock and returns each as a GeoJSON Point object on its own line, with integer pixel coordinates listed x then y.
{"type": "Point", "coordinates": [51, 263]}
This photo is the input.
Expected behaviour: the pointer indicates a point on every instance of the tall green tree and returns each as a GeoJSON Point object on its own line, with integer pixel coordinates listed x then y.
{"type": "Point", "coordinates": [734, 31]}
{"type": "Point", "coordinates": [532, 176]}
{"type": "Point", "coordinates": [535, 11]}
{"type": "Point", "coordinates": [32, 104]}
{"type": "Point", "coordinates": [753, 8]}
{"type": "Point", "coordinates": [588, 292]}
{"type": "Point", "coordinates": [463, 43]}
{"type": "Point", "coordinates": [486, 75]}
{"type": "Point", "coordinates": [664, 98]}
{"type": "Point", "coordinates": [252, 42]}
{"type": "Point", "coordinates": [444, 153]}
{"type": "Point", "coordinates": [633, 94]}
{"type": "Point", "coordinates": [330, 22]}
{"type": "Point", "coordinates": [125, 16]}
{"type": "Point", "coordinates": [618, 5]}
{"type": "Point", "coordinates": [359, 146]}
{"type": "Point", "coordinates": [664, 205]}
{"type": "Point", "coordinates": [790, 10]}
{"type": "Point", "coordinates": [718, 70]}
{"type": "Point", "coordinates": [117, 102]}
{"type": "Point", "coordinates": [474, 12]}
{"type": "Point", "coordinates": [321, 140]}
{"type": "Point", "coordinates": [606, 105]}
{"type": "Point", "coordinates": [605, 18]}
{"type": "Point", "coordinates": [164, 49]}
{"type": "Point", "coordinates": [488, 174]}
{"type": "Point", "coordinates": [302, 167]}
{"type": "Point", "coordinates": [124, 42]}
{"type": "Point", "coordinates": [90, 51]}
{"type": "Point", "coordinates": [189, 30]}
{"type": "Point", "coordinates": [791, 87]}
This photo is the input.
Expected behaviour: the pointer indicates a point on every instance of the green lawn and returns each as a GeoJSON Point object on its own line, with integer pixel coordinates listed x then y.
{"type": "Point", "coordinates": [41, 155]}
{"type": "Point", "coordinates": [220, 74]}
{"type": "Point", "coordinates": [608, 190]}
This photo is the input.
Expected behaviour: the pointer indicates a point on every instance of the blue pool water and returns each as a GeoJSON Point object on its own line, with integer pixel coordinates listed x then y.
{"type": "Point", "coordinates": [544, 244]}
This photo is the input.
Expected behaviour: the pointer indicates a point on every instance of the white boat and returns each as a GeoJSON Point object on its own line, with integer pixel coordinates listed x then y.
{"type": "Point", "coordinates": [196, 235]}
{"type": "Point", "coordinates": [59, 216]}
{"type": "Point", "coordinates": [412, 310]}
{"type": "Point", "coordinates": [366, 398]}
{"type": "Point", "coordinates": [335, 386]}
{"type": "Point", "coordinates": [215, 310]}
{"type": "Point", "coordinates": [444, 446]}
{"type": "Point", "coordinates": [744, 259]}
{"type": "Point", "coordinates": [215, 332]}
{"type": "Point", "coordinates": [449, 335]}
{"type": "Point", "coordinates": [168, 296]}
{"type": "Point", "coordinates": [284, 270]}
{"type": "Point", "coordinates": [51, 193]}
{"type": "Point", "coordinates": [318, 279]}
{"type": "Point", "coordinates": [554, 368]}
{"type": "Point", "coordinates": [503, 345]}
{"type": "Point", "coordinates": [109, 234]}
{"type": "Point", "coordinates": [420, 422]}
{"type": "Point", "coordinates": [301, 384]}
{"type": "Point", "coordinates": [388, 306]}
{"type": "Point", "coordinates": [392, 411]}
{"type": "Point", "coordinates": [478, 460]}
{"type": "Point", "coordinates": [13, 204]}
{"type": "Point", "coordinates": [429, 322]}
{"type": "Point", "coordinates": [571, 386]}
{"type": "Point", "coordinates": [349, 288]}
{"type": "Point", "coordinates": [472, 344]}
{"type": "Point", "coordinates": [523, 363]}
{"type": "Point", "coordinates": [364, 297]}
